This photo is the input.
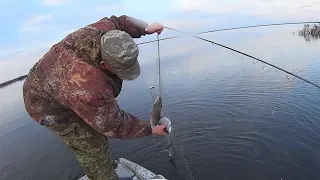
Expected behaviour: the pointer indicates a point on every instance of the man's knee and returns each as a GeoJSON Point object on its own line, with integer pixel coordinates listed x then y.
{"type": "Point", "coordinates": [89, 147]}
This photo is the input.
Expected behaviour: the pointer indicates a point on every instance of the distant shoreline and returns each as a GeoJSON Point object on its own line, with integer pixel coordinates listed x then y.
{"type": "Point", "coordinates": [2, 85]}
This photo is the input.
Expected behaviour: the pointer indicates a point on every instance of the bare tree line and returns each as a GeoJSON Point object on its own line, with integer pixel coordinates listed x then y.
{"type": "Point", "coordinates": [12, 81]}
{"type": "Point", "coordinates": [310, 32]}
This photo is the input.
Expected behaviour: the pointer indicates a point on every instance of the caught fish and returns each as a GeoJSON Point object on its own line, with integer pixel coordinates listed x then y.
{"type": "Point", "coordinates": [155, 115]}
{"type": "Point", "coordinates": [157, 119]}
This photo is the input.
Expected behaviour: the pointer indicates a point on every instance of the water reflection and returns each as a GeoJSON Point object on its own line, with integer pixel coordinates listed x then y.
{"type": "Point", "coordinates": [244, 118]}
{"type": "Point", "coordinates": [310, 32]}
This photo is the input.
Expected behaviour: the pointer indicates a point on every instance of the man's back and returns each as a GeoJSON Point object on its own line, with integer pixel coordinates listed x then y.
{"type": "Point", "coordinates": [59, 71]}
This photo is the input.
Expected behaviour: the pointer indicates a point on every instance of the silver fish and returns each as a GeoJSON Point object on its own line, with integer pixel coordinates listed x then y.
{"type": "Point", "coordinates": [156, 112]}
{"type": "Point", "coordinates": [157, 119]}
{"type": "Point", "coordinates": [165, 120]}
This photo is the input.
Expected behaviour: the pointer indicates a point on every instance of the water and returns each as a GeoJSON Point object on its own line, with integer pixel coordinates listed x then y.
{"type": "Point", "coordinates": [234, 118]}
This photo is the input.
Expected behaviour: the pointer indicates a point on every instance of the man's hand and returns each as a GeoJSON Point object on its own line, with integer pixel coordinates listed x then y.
{"type": "Point", "coordinates": [154, 27]}
{"type": "Point", "coordinates": [159, 130]}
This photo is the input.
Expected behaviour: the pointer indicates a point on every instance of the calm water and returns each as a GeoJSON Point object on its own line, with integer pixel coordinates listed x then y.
{"type": "Point", "coordinates": [233, 117]}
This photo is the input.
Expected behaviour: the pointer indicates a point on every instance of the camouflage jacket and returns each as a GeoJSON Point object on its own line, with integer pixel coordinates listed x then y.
{"type": "Point", "coordinates": [68, 83]}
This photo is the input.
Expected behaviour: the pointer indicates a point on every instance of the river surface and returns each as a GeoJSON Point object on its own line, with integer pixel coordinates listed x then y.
{"type": "Point", "coordinates": [233, 117]}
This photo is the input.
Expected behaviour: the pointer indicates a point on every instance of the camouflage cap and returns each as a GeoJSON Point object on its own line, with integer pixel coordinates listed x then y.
{"type": "Point", "coordinates": [120, 52]}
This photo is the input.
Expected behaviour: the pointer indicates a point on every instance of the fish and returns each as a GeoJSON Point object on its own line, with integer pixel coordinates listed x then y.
{"type": "Point", "coordinates": [155, 115]}
{"type": "Point", "coordinates": [157, 119]}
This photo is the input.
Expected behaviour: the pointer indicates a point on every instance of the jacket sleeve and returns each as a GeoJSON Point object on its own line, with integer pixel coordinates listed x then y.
{"type": "Point", "coordinates": [101, 111]}
{"type": "Point", "coordinates": [88, 94]}
{"type": "Point", "coordinates": [134, 27]}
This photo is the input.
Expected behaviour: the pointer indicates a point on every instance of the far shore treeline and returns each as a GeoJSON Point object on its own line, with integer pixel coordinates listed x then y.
{"type": "Point", "coordinates": [12, 81]}
{"type": "Point", "coordinates": [310, 32]}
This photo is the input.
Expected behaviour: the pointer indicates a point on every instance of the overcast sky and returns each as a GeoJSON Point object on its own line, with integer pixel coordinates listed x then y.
{"type": "Point", "coordinates": [29, 28]}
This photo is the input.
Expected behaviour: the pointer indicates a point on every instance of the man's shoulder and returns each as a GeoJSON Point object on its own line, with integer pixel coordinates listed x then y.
{"type": "Point", "coordinates": [105, 24]}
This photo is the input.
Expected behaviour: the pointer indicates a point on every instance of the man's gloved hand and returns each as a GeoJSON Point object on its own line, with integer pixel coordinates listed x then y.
{"type": "Point", "coordinates": [154, 27]}
{"type": "Point", "coordinates": [159, 130]}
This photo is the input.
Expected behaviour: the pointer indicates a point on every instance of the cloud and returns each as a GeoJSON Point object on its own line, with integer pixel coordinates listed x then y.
{"type": "Point", "coordinates": [4, 52]}
{"type": "Point", "coordinates": [36, 23]}
{"type": "Point", "coordinates": [19, 64]}
{"type": "Point", "coordinates": [62, 35]}
{"type": "Point", "coordinates": [192, 23]}
{"type": "Point", "coordinates": [109, 9]}
{"type": "Point", "coordinates": [54, 2]}
{"type": "Point", "coordinates": [284, 8]}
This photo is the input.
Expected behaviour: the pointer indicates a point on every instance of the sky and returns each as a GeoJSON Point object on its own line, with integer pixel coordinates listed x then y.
{"type": "Point", "coordinates": [30, 28]}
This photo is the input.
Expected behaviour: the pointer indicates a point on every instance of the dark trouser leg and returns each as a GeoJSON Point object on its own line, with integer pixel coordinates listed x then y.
{"type": "Point", "coordinates": [89, 147]}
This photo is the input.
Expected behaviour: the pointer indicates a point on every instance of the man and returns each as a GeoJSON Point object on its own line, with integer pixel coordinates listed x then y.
{"type": "Point", "coordinates": [72, 90]}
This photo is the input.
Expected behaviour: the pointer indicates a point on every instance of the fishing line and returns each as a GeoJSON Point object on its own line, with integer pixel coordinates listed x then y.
{"type": "Point", "coordinates": [184, 158]}
{"type": "Point", "coordinates": [151, 87]}
{"type": "Point", "coordinates": [245, 54]}
{"type": "Point", "coordinates": [160, 92]}
{"type": "Point", "coordinates": [147, 42]}
{"type": "Point", "coordinates": [160, 84]}
{"type": "Point", "coordinates": [235, 28]}
{"type": "Point", "coordinates": [159, 66]}
{"type": "Point", "coordinates": [159, 71]}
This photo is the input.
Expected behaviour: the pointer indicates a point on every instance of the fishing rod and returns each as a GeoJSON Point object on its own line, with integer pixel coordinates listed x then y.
{"type": "Point", "coordinates": [234, 28]}
{"type": "Point", "coordinates": [261, 25]}
{"type": "Point", "coordinates": [245, 54]}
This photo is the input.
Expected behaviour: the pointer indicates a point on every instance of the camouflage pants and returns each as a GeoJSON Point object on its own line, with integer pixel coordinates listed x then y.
{"type": "Point", "coordinates": [89, 147]}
